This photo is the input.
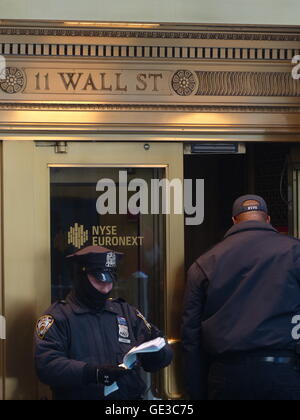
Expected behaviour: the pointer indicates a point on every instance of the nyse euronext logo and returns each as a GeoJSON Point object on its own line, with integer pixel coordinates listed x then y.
{"type": "Point", "coordinates": [78, 235]}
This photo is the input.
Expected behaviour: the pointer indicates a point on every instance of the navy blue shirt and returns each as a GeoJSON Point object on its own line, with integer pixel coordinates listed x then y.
{"type": "Point", "coordinates": [241, 296]}
{"type": "Point", "coordinates": [70, 336]}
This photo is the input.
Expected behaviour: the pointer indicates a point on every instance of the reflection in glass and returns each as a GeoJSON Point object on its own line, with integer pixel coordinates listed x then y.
{"type": "Point", "coordinates": [75, 224]}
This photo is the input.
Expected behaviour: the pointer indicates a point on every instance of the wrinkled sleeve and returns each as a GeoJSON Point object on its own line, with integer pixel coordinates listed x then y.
{"type": "Point", "coordinates": [53, 366]}
{"type": "Point", "coordinates": [195, 359]}
{"type": "Point", "coordinates": [152, 362]}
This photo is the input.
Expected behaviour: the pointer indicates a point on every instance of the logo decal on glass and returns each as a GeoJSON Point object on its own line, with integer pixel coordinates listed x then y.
{"type": "Point", "coordinates": [78, 236]}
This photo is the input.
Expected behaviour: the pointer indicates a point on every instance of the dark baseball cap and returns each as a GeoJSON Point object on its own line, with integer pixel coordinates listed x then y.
{"type": "Point", "coordinates": [239, 207]}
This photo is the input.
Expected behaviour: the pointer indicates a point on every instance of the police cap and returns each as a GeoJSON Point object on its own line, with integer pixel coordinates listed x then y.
{"type": "Point", "coordinates": [98, 261]}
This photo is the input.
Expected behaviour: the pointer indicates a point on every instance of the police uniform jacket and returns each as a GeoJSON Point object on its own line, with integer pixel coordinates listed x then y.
{"type": "Point", "coordinates": [241, 296]}
{"type": "Point", "coordinates": [76, 337]}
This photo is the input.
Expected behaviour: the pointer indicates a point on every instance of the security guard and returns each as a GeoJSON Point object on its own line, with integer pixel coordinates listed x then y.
{"type": "Point", "coordinates": [81, 342]}
{"type": "Point", "coordinates": [240, 302]}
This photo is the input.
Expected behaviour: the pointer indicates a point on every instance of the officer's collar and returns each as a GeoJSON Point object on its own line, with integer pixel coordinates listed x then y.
{"type": "Point", "coordinates": [80, 309]}
{"type": "Point", "coordinates": [250, 225]}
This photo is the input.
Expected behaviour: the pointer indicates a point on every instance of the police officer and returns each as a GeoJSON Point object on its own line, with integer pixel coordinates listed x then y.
{"type": "Point", "coordinates": [81, 342]}
{"type": "Point", "coordinates": [239, 306]}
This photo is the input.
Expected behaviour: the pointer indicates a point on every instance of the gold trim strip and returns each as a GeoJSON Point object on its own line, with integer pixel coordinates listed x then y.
{"type": "Point", "coordinates": [166, 30]}
{"type": "Point", "coordinates": [106, 165]}
{"type": "Point", "coordinates": [154, 108]}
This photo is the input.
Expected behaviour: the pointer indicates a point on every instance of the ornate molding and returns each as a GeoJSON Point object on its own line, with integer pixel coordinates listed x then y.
{"type": "Point", "coordinates": [263, 84]}
{"type": "Point", "coordinates": [187, 84]}
{"type": "Point", "coordinates": [125, 52]}
{"type": "Point", "coordinates": [152, 108]}
{"type": "Point", "coordinates": [228, 35]}
{"type": "Point", "coordinates": [14, 82]}
{"type": "Point", "coordinates": [169, 41]}
{"type": "Point", "coordinates": [178, 84]}
{"type": "Point", "coordinates": [184, 82]}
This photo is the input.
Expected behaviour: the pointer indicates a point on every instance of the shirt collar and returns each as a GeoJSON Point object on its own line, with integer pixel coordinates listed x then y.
{"type": "Point", "coordinates": [250, 225]}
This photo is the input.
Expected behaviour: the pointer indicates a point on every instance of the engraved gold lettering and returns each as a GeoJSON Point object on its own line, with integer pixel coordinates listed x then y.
{"type": "Point", "coordinates": [155, 80]}
{"type": "Point", "coordinates": [118, 83]}
{"type": "Point", "coordinates": [69, 79]}
{"type": "Point", "coordinates": [38, 82]}
{"type": "Point", "coordinates": [89, 83]}
{"type": "Point", "coordinates": [141, 78]}
{"type": "Point", "coordinates": [99, 82]}
{"type": "Point", "coordinates": [47, 82]}
{"type": "Point", "coordinates": [103, 81]}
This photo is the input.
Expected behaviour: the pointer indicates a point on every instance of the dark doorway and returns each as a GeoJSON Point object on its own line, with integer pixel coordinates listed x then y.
{"type": "Point", "coordinates": [261, 170]}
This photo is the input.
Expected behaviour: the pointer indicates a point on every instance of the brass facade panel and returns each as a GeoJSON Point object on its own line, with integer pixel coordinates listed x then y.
{"type": "Point", "coordinates": [159, 83]}
{"type": "Point", "coordinates": [163, 76]}
{"type": "Point", "coordinates": [2, 303]}
{"type": "Point", "coordinates": [71, 81]}
{"type": "Point", "coordinates": [26, 224]}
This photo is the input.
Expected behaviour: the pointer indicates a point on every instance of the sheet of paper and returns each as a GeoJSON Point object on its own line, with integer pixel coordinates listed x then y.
{"type": "Point", "coordinates": [149, 347]}
{"type": "Point", "coordinates": [110, 389]}
{"type": "Point", "coordinates": [131, 357]}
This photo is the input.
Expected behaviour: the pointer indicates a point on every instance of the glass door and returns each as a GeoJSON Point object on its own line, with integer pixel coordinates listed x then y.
{"type": "Point", "coordinates": [293, 196]}
{"type": "Point", "coordinates": [92, 194]}
{"type": "Point", "coordinates": [76, 223]}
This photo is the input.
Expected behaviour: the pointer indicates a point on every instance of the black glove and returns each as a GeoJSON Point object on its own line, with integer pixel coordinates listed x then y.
{"type": "Point", "coordinates": [153, 362]}
{"type": "Point", "coordinates": [107, 375]}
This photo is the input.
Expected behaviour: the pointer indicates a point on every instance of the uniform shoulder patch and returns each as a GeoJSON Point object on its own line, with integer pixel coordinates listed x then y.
{"type": "Point", "coordinates": [138, 313]}
{"type": "Point", "coordinates": [43, 325]}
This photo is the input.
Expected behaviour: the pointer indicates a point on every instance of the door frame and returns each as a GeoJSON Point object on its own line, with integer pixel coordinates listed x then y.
{"type": "Point", "coordinates": [26, 244]}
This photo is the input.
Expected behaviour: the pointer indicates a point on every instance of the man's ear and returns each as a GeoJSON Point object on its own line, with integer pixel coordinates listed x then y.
{"type": "Point", "coordinates": [234, 220]}
{"type": "Point", "coordinates": [269, 220]}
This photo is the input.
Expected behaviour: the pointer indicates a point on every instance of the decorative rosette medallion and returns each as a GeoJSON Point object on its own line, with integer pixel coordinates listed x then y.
{"type": "Point", "coordinates": [13, 80]}
{"type": "Point", "coordinates": [184, 82]}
